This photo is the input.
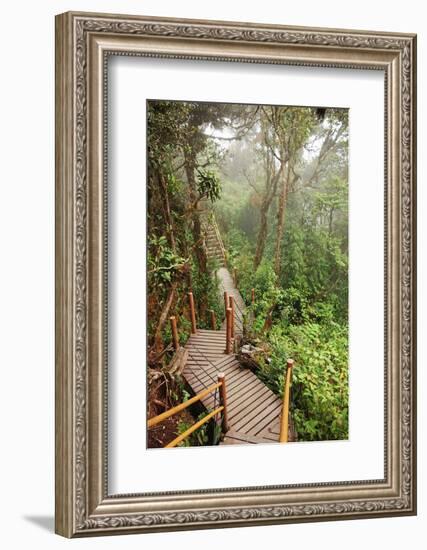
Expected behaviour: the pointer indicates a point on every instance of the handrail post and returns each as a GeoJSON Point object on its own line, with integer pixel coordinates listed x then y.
{"type": "Point", "coordinates": [192, 313]}
{"type": "Point", "coordinates": [225, 302]}
{"type": "Point", "coordinates": [231, 306]}
{"type": "Point", "coordinates": [223, 402]}
{"type": "Point", "coordinates": [228, 332]}
{"type": "Point", "coordinates": [284, 423]}
{"type": "Point", "coordinates": [253, 296]}
{"type": "Point", "coordinates": [175, 338]}
{"type": "Point", "coordinates": [213, 320]}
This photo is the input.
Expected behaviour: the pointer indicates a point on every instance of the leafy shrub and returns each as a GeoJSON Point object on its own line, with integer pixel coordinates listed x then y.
{"type": "Point", "coordinates": [307, 331]}
{"type": "Point", "coordinates": [320, 389]}
{"type": "Point", "coordinates": [206, 294]}
{"type": "Point", "coordinates": [208, 434]}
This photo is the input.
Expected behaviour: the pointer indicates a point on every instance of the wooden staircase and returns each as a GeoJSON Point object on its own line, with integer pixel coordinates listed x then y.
{"type": "Point", "coordinates": [253, 410]}
{"type": "Point", "coordinates": [213, 241]}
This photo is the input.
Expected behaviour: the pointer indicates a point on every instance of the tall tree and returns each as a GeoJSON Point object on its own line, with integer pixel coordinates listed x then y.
{"type": "Point", "coordinates": [292, 127]}
{"type": "Point", "coordinates": [272, 173]}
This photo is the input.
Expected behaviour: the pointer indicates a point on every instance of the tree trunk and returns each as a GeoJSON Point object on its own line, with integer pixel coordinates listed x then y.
{"type": "Point", "coordinates": [200, 251]}
{"type": "Point", "coordinates": [262, 235]}
{"type": "Point", "coordinates": [167, 211]}
{"type": "Point", "coordinates": [158, 341]}
{"type": "Point", "coordinates": [270, 192]}
{"type": "Point", "coordinates": [197, 226]}
{"type": "Point", "coordinates": [281, 220]}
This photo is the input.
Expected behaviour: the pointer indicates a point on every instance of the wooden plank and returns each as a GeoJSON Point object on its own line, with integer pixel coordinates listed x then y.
{"type": "Point", "coordinates": [213, 367]}
{"type": "Point", "coordinates": [215, 351]}
{"type": "Point", "coordinates": [231, 441]}
{"type": "Point", "coordinates": [204, 376]}
{"type": "Point", "coordinates": [248, 402]}
{"type": "Point", "coordinates": [240, 438]}
{"type": "Point", "coordinates": [233, 377]}
{"type": "Point", "coordinates": [207, 331]}
{"type": "Point", "coordinates": [204, 357]}
{"type": "Point", "coordinates": [234, 388]}
{"type": "Point", "coordinates": [272, 416]}
{"type": "Point", "coordinates": [194, 382]}
{"type": "Point", "coordinates": [203, 371]}
{"type": "Point", "coordinates": [249, 384]}
{"type": "Point", "coordinates": [198, 381]}
{"type": "Point", "coordinates": [212, 370]}
{"type": "Point", "coordinates": [257, 417]}
{"type": "Point", "coordinates": [251, 410]}
{"type": "Point", "coordinates": [241, 400]}
{"type": "Point", "coordinates": [217, 346]}
{"type": "Point", "coordinates": [214, 343]}
{"type": "Point", "coordinates": [210, 344]}
{"type": "Point", "coordinates": [273, 431]}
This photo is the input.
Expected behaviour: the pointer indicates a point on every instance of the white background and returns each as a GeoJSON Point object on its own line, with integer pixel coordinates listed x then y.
{"type": "Point", "coordinates": [132, 80]}
{"type": "Point", "coordinates": [27, 245]}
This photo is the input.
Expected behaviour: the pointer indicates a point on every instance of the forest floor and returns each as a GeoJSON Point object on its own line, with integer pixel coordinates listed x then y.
{"type": "Point", "coordinates": [158, 402]}
{"type": "Point", "coordinates": [162, 434]}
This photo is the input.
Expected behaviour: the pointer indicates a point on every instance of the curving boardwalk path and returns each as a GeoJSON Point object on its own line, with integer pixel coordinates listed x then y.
{"type": "Point", "coordinates": [226, 284]}
{"type": "Point", "coordinates": [253, 409]}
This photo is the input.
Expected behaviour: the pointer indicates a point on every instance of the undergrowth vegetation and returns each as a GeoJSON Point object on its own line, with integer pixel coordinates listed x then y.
{"type": "Point", "coordinates": [276, 178]}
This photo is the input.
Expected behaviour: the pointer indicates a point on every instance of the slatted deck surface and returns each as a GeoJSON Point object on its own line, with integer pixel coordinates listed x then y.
{"type": "Point", "coordinates": [226, 284]}
{"type": "Point", "coordinates": [253, 409]}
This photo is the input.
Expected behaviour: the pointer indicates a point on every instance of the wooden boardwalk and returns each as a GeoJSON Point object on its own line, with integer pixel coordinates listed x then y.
{"type": "Point", "coordinates": [253, 409]}
{"type": "Point", "coordinates": [226, 284]}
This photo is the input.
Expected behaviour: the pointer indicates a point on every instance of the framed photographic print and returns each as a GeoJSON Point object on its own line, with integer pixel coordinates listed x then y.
{"type": "Point", "coordinates": [235, 274]}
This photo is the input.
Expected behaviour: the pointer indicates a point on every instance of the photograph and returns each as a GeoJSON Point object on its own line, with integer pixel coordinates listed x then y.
{"type": "Point", "coordinates": [247, 273]}
{"type": "Point", "coordinates": [235, 271]}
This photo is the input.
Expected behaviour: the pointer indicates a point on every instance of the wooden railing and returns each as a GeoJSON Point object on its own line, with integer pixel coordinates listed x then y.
{"type": "Point", "coordinates": [219, 238]}
{"type": "Point", "coordinates": [284, 423]}
{"type": "Point", "coordinates": [220, 386]}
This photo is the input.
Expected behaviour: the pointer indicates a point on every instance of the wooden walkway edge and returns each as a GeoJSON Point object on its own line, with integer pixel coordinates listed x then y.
{"type": "Point", "coordinates": [254, 411]}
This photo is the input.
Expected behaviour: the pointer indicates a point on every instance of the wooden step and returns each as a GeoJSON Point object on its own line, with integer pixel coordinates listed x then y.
{"type": "Point", "coordinates": [233, 437]}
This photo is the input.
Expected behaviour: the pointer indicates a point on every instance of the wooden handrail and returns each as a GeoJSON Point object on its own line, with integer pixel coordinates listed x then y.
{"type": "Point", "coordinates": [228, 331]}
{"type": "Point", "coordinates": [159, 418]}
{"type": "Point", "coordinates": [174, 330]}
{"type": "Point", "coordinates": [213, 319]}
{"type": "Point", "coordinates": [192, 313]}
{"type": "Point", "coordinates": [193, 428]}
{"type": "Point", "coordinates": [284, 422]}
{"type": "Point", "coordinates": [231, 306]}
{"type": "Point", "coordinates": [219, 238]}
{"type": "Point", "coordinates": [223, 401]}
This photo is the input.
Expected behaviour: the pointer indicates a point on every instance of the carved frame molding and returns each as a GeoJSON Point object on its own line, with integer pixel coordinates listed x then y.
{"type": "Point", "coordinates": [83, 43]}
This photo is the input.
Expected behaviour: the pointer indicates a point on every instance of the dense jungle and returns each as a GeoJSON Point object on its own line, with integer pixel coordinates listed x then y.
{"type": "Point", "coordinates": [273, 180]}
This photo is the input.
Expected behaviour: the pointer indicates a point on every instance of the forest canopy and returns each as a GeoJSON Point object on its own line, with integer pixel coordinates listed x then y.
{"type": "Point", "coordinates": [275, 181]}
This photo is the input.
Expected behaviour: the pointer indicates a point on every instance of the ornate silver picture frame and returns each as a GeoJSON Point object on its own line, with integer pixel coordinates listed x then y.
{"type": "Point", "coordinates": [84, 42]}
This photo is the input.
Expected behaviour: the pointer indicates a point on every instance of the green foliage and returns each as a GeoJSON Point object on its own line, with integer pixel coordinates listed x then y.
{"type": "Point", "coordinates": [163, 263]}
{"type": "Point", "coordinates": [209, 185]}
{"type": "Point", "coordinates": [301, 293]}
{"type": "Point", "coordinates": [320, 388]}
{"type": "Point", "coordinates": [199, 437]}
{"type": "Point", "coordinates": [206, 294]}
{"type": "Point", "coordinates": [307, 332]}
